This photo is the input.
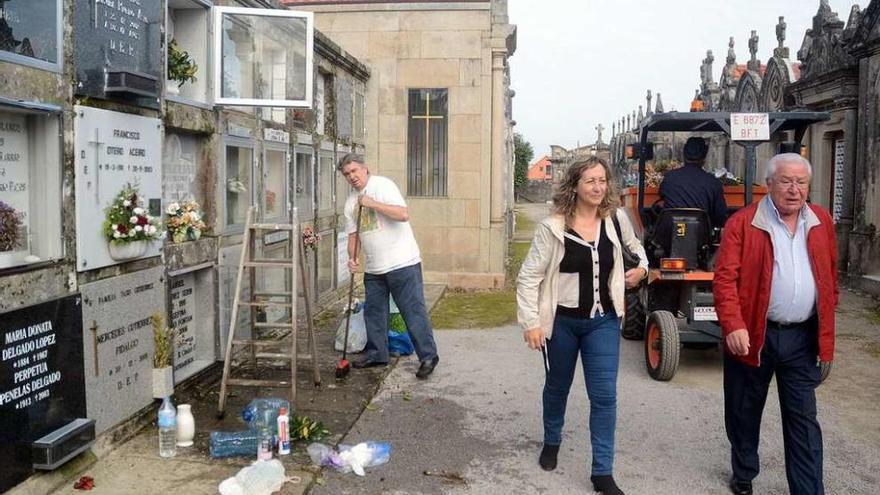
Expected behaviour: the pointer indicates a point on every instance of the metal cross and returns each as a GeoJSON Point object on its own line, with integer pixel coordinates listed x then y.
{"type": "Point", "coordinates": [97, 143]}
{"type": "Point", "coordinates": [427, 118]}
{"type": "Point", "coordinates": [94, 329]}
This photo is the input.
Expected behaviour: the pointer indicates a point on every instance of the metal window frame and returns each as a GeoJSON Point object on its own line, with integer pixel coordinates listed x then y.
{"type": "Point", "coordinates": [312, 179]}
{"type": "Point", "coordinates": [447, 117]}
{"type": "Point", "coordinates": [207, 6]}
{"type": "Point", "coordinates": [239, 142]}
{"type": "Point", "coordinates": [49, 110]}
{"type": "Point", "coordinates": [219, 13]}
{"type": "Point", "coordinates": [270, 146]}
{"type": "Point", "coordinates": [58, 65]}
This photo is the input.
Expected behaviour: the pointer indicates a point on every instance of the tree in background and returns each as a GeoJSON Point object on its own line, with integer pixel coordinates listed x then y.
{"type": "Point", "coordinates": [523, 153]}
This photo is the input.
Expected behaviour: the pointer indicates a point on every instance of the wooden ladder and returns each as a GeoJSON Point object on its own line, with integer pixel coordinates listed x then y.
{"type": "Point", "coordinates": [248, 263]}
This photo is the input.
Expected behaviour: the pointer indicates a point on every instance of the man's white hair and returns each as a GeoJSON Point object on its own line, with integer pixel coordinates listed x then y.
{"type": "Point", "coordinates": [774, 163]}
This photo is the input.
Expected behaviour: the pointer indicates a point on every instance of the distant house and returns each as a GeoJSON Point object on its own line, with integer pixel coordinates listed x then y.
{"type": "Point", "coordinates": [541, 169]}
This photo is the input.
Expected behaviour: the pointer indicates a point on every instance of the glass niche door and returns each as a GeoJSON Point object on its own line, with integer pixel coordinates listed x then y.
{"type": "Point", "coordinates": [238, 183]}
{"type": "Point", "coordinates": [276, 206]}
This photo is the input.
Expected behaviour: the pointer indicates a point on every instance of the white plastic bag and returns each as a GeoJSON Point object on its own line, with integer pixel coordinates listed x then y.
{"type": "Point", "coordinates": [260, 478]}
{"type": "Point", "coordinates": [350, 458]}
{"type": "Point", "coordinates": [357, 334]}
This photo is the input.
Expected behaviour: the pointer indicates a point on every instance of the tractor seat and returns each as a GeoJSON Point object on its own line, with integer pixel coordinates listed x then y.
{"type": "Point", "coordinates": [682, 233]}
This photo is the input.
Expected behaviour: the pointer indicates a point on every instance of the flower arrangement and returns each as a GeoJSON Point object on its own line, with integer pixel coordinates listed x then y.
{"type": "Point", "coordinates": [127, 221]}
{"type": "Point", "coordinates": [10, 227]}
{"type": "Point", "coordinates": [310, 238]}
{"type": "Point", "coordinates": [184, 221]}
{"type": "Point", "coordinates": [181, 67]}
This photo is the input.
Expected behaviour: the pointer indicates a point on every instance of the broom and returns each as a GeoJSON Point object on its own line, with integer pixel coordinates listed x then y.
{"type": "Point", "coordinates": [343, 367]}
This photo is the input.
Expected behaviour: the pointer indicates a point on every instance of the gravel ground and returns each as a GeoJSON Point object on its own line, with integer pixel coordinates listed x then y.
{"type": "Point", "coordinates": [478, 417]}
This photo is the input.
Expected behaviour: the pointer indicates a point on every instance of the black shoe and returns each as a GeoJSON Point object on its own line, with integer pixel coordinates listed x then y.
{"type": "Point", "coordinates": [367, 363]}
{"type": "Point", "coordinates": [427, 367]}
{"type": "Point", "coordinates": [605, 485]}
{"type": "Point", "coordinates": [548, 457]}
{"type": "Point", "coordinates": [740, 487]}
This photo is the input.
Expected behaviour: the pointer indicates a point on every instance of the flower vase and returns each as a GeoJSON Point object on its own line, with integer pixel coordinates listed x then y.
{"type": "Point", "coordinates": [179, 237]}
{"type": "Point", "coordinates": [127, 250]}
{"type": "Point", "coordinates": [163, 382]}
{"type": "Point", "coordinates": [195, 234]}
{"type": "Point", "coordinates": [171, 88]}
{"type": "Point", "coordinates": [186, 426]}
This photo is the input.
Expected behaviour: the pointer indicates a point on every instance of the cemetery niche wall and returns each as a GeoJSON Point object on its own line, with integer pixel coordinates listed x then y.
{"type": "Point", "coordinates": [118, 50]}
{"type": "Point", "coordinates": [112, 151]}
{"type": "Point", "coordinates": [42, 387]}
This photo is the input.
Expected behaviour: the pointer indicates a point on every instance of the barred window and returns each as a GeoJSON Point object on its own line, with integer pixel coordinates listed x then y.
{"type": "Point", "coordinates": [427, 154]}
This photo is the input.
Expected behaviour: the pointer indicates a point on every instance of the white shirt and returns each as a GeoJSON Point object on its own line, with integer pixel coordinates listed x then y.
{"type": "Point", "coordinates": [793, 288]}
{"type": "Point", "coordinates": [386, 243]}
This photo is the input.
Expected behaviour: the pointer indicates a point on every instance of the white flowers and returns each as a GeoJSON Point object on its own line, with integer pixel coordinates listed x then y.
{"type": "Point", "coordinates": [126, 203]}
{"type": "Point", "coordinates": [172, 208]}
{"type": "Point", "coordinates": [138, 211]}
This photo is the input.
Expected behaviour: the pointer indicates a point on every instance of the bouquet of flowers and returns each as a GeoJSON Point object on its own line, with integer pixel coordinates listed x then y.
{"type": "Point", "coordinates": [184, 221]}
{"type": "Point", "coordinates": [127, 221]}
{"type": "Point", "coordinates": [10, 225]}
{"type": "Point", "coordinates": [310, 238]}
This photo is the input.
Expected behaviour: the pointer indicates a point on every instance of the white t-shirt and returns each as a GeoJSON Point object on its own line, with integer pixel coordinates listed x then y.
{"type": "Point", "coordinates": [387, 244]}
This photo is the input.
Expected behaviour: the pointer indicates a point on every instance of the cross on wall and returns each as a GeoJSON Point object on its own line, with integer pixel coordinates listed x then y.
{"type": "Point", "coordinates": [427, 118]}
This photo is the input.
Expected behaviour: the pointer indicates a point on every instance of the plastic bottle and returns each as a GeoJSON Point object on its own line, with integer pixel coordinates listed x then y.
{"type": "Point", "coordinates": [264, 410]}
{"type": "Point", "coordinates": [264, 448]}
{"type": "Point", "coordinates": [283, 432]}
{"type": "Point", "coordinates": [167, 429]}
{"type": "Point", "coordinates": [234, 443]}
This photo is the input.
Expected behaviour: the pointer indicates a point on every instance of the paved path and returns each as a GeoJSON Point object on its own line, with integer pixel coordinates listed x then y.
{"type": "Point", "coordinates": [479, 417]}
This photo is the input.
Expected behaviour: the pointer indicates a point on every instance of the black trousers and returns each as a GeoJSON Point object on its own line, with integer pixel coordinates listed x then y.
{"type": "Point", "coordinates": [791, 355]}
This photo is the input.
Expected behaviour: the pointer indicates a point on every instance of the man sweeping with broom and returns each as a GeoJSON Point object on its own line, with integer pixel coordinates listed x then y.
{"type": "Point", "coordinates": [376, 216]}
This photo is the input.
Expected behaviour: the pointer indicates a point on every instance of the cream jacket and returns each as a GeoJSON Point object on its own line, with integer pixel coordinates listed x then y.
{"type": "Point", "coordinates": [537, 288]}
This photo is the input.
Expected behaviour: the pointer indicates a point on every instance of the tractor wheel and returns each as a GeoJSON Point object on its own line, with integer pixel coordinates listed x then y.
{"type": "Point", "coordinates": [825, 370]}
{"type": "Point", "coordinates": [662, 346]}
{"type": "Point", "coordinates": [634, 322]}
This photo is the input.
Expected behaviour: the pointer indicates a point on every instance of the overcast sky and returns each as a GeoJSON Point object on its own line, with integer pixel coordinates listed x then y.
{"type": "Point", "coordinates": [582, 62]}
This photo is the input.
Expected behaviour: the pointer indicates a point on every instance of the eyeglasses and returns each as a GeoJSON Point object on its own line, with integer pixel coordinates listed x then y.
{"type": "Point", "coordinates": [593, 182]}
{"type": "Point", "coordinates": [786, 183]}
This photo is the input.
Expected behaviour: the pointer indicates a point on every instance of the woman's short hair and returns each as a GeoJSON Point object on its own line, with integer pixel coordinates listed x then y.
{"type": "Point", "coordinates": [565, 199]}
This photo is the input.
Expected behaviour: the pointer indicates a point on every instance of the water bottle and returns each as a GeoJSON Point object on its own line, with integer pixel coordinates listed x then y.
{"type": "Point", "coordinates": [283, 432]}
{"type": "Point", "coordinates": [264, 412]}
{"type": "Point", "coordinates": [264, 448]}
{"type": "Point", "coordinates": [167, 429]}
{"type": "Point", "coordinates": [235, 443]}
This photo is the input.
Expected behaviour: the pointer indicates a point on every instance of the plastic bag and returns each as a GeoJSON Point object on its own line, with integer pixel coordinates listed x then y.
{"type": "Point", "coordinates": [399, 341]}
{"type": "Point", "coordinates": [357, 333]}
{"type": "Point", "coordinates": [351, 458]}
{"type": "Point", "coordinates": [260, 478]}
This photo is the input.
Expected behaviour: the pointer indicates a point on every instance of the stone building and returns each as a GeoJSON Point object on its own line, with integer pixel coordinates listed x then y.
{"type": "Point", "coordinates": [438, 121]}
{"type": "Point", "coordinates": [837, 72]}
{"type": "Point", "coordinates": [85, 108]}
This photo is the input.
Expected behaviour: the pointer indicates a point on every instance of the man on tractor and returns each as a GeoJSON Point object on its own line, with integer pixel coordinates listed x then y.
{"type": "Point", "coordinates": [692, 187]}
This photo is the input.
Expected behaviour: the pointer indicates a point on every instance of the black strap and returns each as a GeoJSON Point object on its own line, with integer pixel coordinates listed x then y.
{"type": "Point", "coordinates": [617, 227]}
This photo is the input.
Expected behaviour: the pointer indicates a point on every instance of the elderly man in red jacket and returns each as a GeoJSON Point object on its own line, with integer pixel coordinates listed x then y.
{"type": "Point", "coordinates": [775, 294]}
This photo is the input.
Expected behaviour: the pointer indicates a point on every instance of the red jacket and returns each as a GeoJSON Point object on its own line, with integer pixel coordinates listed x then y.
{"type": "Point", "coordinates": [744, 268]}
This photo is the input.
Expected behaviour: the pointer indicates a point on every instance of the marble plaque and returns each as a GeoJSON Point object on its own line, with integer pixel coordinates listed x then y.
{"type": "Point", "coordinates": [41, 379]}
{"type": "Point", "coordinates": [180, 161]}
{"type": "Point", "coordinates": [118, 36]}
{"type": "Point", "coordinates": [344, 108]}
{"type": "Point", "coordinates": [191, 298]}
{"type": "Point", "coordinates": [112, 149]}
{"type": "Point", "coordinates": [118, 344]}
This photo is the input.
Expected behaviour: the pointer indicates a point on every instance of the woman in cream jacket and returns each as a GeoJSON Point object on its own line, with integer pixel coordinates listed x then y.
{"type": "Point", "coordinates": [570, 298]}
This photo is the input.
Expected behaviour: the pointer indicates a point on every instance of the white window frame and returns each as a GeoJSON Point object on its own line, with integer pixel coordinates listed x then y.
{"type": "Point", "coordinates": [219, 13]}
{"type": "Point", "coordinates": [56, 66]}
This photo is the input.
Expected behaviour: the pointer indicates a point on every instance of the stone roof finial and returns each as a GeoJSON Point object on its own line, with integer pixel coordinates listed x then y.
{"type": "Point", "coordinates": [650, 111]}
{"type": "Point", "coordinates": [781, 51]}
{"type": "Point", "coordinates": [754, 64]}
{"type": "Point", "coordinates": [659, 104]}
{"type": "Point", "coordinates": [731, 55]}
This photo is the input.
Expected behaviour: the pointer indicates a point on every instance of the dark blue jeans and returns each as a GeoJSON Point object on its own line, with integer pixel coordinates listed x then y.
{"type": "Point", "coordinates": [597, 340]}
{"type": "Point", "coordinates": [405, 285]}
{"type": "Point", "coordinates": [791, 355]}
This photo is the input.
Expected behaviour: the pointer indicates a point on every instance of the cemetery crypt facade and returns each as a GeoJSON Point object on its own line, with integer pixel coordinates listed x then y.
{"type": "Point", "coordinates": [89, 112]}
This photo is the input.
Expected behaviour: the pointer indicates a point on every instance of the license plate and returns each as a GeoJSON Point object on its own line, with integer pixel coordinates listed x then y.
{"type": "Point", "coordinates": [705, 313]}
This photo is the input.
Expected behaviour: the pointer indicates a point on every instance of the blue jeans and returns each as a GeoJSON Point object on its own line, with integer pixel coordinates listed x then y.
{"type": "Point", "coordinates": [405, 285]}
{"type": "Point", "coordinates": [791, 356]}
{"type": "Point", "coordinates": [597, 340]}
